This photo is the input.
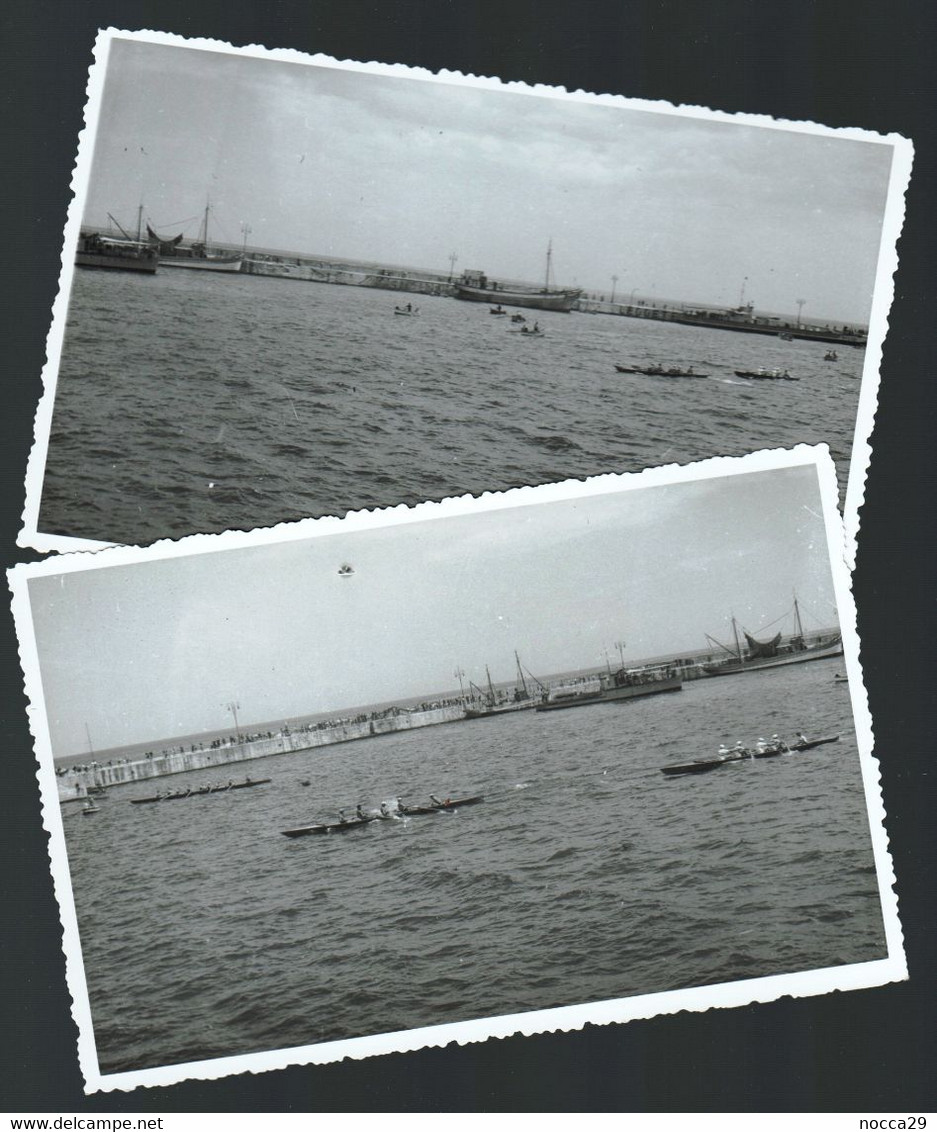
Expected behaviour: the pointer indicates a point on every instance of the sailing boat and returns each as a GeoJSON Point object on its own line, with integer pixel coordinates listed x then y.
{"type": "Point", "coordinates": [198, 255]}
{"type": "Point", "coordinates": [492, 705]}
{"type": "Point", "coordinates": [476, 287]}
{"type": "Point", "coordinates": [774, 653]}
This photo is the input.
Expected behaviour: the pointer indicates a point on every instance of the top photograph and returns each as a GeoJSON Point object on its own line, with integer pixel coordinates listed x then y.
{"type": "Point", "coordinates": [293, 287]}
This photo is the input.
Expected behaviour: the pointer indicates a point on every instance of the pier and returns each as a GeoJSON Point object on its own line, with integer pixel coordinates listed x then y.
{"type": "Point", "coordinates": [74, 783]}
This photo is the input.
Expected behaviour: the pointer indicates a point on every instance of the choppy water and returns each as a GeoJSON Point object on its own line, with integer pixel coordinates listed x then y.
{"type": "Point", "coordinates": [585, 875]}
{"type": "Point", "coordinates": [196, 402]}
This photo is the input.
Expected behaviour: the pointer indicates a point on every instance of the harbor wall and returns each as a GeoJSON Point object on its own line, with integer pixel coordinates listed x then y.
{"type": "Point", "coordinates": [381, 278]}
{"type": "Point", "coordinates": [74, 783]}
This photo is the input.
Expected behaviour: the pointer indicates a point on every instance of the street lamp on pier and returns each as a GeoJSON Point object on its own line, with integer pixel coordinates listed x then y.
{"type": "Point", "coordinates": [232, 706]}
{"type": "Point", "coordinates": [800, 307]}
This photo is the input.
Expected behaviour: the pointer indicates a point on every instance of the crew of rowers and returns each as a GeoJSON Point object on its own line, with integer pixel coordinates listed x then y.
{"type": "Point", "coordinates": [763, 747]}
{"type": "Point", "coordinates": [386, 811]}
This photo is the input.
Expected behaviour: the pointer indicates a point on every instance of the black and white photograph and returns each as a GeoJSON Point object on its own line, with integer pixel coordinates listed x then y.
{"type": "Point", "coordinates": [293, 287]}
{"type": "Point", "coordinates": [571, 754]}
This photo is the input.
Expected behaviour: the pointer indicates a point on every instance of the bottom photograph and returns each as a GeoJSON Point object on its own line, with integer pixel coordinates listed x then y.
{"type": "Point", "coordinates": [589, 752]}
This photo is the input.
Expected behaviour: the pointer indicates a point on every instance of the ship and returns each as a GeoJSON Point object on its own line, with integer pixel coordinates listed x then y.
{"type": "Point", "coordinates": [198, 255]}
{"type": "Point", "coordinates": [476, 287]}
{"type": "Point", "coordinates": [743, 318]}
{"type": "Point", "coordinates": [487, 703]}
{"type": "Point", "coordinates": [757, 655]}
{"type": "Point", "coordinates": [95, 250]}
{"type": "Point", "coordinates": [615, 687]}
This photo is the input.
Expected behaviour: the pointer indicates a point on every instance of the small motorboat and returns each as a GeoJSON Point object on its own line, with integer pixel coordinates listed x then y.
{"type": "Point", "coordinates": [408, 311]}
{"type": "Point", "coordinates": [831, 356]}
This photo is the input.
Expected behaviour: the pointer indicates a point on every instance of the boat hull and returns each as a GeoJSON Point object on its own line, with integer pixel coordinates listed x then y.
{"type": "Point", "coordinates": [501, 709]}
{"type": "Point", "coordinates": [200, 792]}
{"type": "Point", "coordinates": [140, 263]}
{"type": "Point", "coordinates": [230, 266]}
{"type": "Point", "coordinates": [734, 667]}
{"type": "Point", "coordinates": [445, 807]}
{"type": "Point", "coordinates": [357, 823]}
{"type": "Point", "coordinates": [614, 694]}
{"type": "Point", "coordinates": [701, 766]}
{"type": "Point", "coordinates": [533, 300]}
{"type": "Point", "coordinates": [648, 372]}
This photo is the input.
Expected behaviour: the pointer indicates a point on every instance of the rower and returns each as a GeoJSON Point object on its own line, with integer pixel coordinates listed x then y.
{"type": "Point", "coordinates": [435, 800]}
{"type": "Point", "coordinates": [723, 750]}
{"type": "Point", "coordinates": [761, 746]}
{"type": "Point", "coordinates": [359, 812]}
{"type": "Point", "coordinates": [802, 737]}
{"type": "Point", "coordinates": [342, 820]}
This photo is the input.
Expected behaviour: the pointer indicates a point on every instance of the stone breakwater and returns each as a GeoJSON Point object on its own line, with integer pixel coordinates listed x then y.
{"type": "Point", "coordinates": [75, 783]}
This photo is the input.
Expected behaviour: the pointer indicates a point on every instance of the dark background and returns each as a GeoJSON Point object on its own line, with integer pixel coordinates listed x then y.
{"type": "Point", "coordinates": [838, 62]}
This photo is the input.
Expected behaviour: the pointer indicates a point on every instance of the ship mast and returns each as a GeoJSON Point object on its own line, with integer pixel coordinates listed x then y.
{"type": "Point", "coordinates": [798, 624]}
{"type": "Point", "coordinates": [203, 233]}
{"type": "Point", "coordinates": [546, 285]}
{"type": "Point", "coordinates": [491, 690]}
{"type": "Point", "coordinates": [520, 674]}
{"type": "Point", "coordinates": [738, 647]}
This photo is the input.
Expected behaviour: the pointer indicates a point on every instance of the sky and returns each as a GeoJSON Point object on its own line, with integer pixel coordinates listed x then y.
{"type": "Point", "coordinates": [158, 648]}
{"type": "Point", "coordinates": [402, 171]}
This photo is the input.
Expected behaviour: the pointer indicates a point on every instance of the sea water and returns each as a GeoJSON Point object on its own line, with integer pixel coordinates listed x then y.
{"type": "Point", "coordinates": [192, 401]}
{"type": "Point", "coordinates": [585, 875]}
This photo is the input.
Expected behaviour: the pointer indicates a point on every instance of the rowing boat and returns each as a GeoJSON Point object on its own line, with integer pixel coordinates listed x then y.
{"type": "Point", "coordinates": [448, 806]}
{"type": "Point", "coordinates": [659, 371]}
{"type": "Point", "coordinates": [442, 807]}
{"type": "Point", "coordinates": [700, 766]}
{"type": "Point", "coordinates": [765, 375]}
{"type": "Point", "coordinates": [332, 827]}
{"type": "Point", "coordinates": [201, 791]}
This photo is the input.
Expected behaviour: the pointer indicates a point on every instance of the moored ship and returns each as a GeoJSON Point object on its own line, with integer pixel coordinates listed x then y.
{"type": "Point", "coordinates": [476, 287]}
{"type": "Point", "coordinates": [756, 655]}
{"type": "Point", "coordinates": [612, 688]}
{"type": "Point", "coordinates": [95, 250]}
{"type": "Point", "coordinates": [488, 703]}
{"type": "Point", "coordinates": [198, 255]}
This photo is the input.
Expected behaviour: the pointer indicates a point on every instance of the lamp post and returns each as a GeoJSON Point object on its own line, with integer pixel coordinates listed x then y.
{"type": "Point", "coordinates": [800, 308]}
{"type": "Point", "coordinates": [232, 706]}
{"type": "Point", "coordinates": [614, 285]}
